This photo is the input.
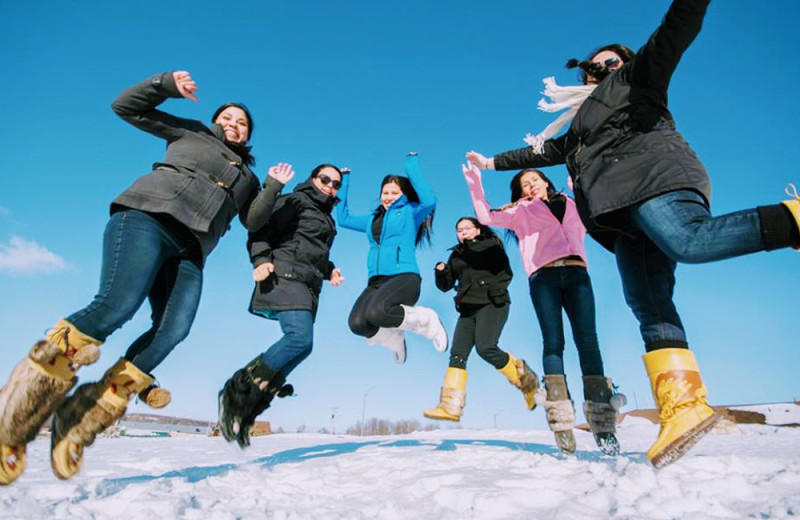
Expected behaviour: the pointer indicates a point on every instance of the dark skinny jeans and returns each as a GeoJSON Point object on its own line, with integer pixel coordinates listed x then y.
{"type": "Point", "coordinates": [480, 327]}
{"type": "Point", "coordinates": [379, 304]}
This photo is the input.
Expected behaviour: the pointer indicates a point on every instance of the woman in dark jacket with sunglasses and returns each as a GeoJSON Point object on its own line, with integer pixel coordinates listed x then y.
{"type": "Point", "coordinates": [290, 256]}
{"type": "Point", "coordinates": [643, 194]}
{"type": "Point", "coordinates": [160, 232]}
{"type": "Point", "coordinates": [479, 270]}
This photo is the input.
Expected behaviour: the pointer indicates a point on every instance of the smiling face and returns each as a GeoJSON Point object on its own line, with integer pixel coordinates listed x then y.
{"type": "Point", "coordinates": [533, 186]}
{"type": "Point", "coordinates": [325, 180]}
{"type": "Point", "coordinates": [390, 192]}
{"type": "Point", "coordinates": [605, 58]}
{"type": "Point", "coordinates": [235, 124]}
{"type": "Point", "coordinates": [466, 230]}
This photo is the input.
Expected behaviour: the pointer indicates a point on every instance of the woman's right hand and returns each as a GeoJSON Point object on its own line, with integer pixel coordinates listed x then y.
{"type": "Point", "coordinates": [472, 174]}
{"type": "Point", "coordinates": [262, 272]}
{"type": "Point", "coordinates": [185, 84]}
{"type": "Point", "coordinates": [480, 160]}
{"type": "Point", "coordinates": [281, 172]}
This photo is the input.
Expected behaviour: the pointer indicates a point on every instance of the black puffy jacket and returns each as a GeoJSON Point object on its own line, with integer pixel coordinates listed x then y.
{"type": "Point", "coordinates": [480, 272]}
{"type": "Point", "coordinates": [201, 183]}
{"type": "Point", "coordinates": [622, 147]}
{"type": "Point", "coordinates": [297, 240]}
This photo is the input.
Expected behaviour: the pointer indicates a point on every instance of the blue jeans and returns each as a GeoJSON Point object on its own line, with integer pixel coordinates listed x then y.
{"type": "Point", "coordinates": [143, 259]}
{"type": "Point", "coordinates": [568, 288]}
{"type": "Point", "coordinates": [671, 228]}
{"type": "Point", "coordinates": [298, 339]}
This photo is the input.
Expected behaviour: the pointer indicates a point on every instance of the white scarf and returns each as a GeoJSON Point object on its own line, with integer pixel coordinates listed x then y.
{"type": "Point", "coordinates": [562, 98]}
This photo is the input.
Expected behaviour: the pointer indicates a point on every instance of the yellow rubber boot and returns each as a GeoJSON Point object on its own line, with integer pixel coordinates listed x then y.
{"type": "Point", "coordinates": [93, 408]}
{"type": "Point", "coordinates": [793, 205]}
{"type": "Point", "coordinates": [452, 398]}
{"type": "Point", "coordinates": [36, 386]}
{"type": "Point", "coordinates": [680, 396]}
{"type": "Point", "coordinates": [520, 375]}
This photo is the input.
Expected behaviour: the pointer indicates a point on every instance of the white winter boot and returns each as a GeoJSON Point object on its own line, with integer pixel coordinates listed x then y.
{"type": "Point", "coordinates": [393, 339]}
{"type": "Point", "coordinates": [425, 322]}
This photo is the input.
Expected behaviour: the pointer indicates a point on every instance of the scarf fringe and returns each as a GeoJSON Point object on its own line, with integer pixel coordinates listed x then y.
{"type": "Point", "coordinates": [569, 98]}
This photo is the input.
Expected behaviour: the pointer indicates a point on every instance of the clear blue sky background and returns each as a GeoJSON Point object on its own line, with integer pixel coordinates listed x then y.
{"type": "Point", "coordinates": [359, 84]}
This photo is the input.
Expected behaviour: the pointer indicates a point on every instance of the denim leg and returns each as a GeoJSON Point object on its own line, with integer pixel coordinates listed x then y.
{"type": "Point", "coordinates": [295, 345]}
{"type": "Point", "coordinates": [174, 299]}
{"type": "Point", "coordinates": [580, 309]}
{"type": "Point", "coordinates": [648, 281]}
{"type": "Point", "coordinates": [134, 248]}
{"type": "Point", "coordinates": [545, 287]}
{"type": "Point", "coordinates": [680, 223]}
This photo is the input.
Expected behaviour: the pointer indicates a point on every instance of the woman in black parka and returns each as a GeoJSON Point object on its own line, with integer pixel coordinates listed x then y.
{"type": "Point", "coordinates": [643, 194]}
{"type": "Point", "coordinates": [478, 269]}
{"type": "Point", "coordinates": [160, 232]}
{"type": "Point", "coordinates": [290, 256]}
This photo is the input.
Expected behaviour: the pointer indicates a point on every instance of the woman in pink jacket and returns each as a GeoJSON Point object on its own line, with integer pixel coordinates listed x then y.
{"type": "Point", "coordinates": [550, 235]}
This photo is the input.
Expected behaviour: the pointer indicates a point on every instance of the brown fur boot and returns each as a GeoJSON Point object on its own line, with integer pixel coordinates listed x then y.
{"type": "Point", "coordinates": [560, 413]}
{"type": "Point", "coordinates": [89, 411]}
{"type": "Point", "coordinates": [600, 414]}
{"type": "Point", "coordinates": [36, 386]}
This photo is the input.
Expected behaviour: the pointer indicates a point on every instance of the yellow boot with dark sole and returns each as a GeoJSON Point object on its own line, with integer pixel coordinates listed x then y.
{"type": "Point", "coordinates": [452, 398]}
{"type": "Point", "coordinates": [36, 386]}
{"type": "Point", "coordinates": [93, 408]}
{"type": "Point", "coordinates": [680, 396]}
{"type": "Point", "coordinates": [520, 375]}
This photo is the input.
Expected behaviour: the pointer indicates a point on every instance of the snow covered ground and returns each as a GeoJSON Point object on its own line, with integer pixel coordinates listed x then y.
{"type": "Point", "coordinates": [745, 471]}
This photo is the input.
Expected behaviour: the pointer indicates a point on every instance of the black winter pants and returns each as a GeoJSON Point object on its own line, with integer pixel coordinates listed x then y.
{"type": "Point", "coordinates": [481, 328]}
{"type": "Point", "coordinates": [379, 304]}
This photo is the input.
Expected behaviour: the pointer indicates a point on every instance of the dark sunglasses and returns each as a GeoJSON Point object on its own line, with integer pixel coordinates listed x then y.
{"type": "Point", "coordinates": [325, 180]}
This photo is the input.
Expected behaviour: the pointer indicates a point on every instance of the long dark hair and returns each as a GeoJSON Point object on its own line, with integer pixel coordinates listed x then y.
{"type": "Point", "coordinates": [598, 70]}
{"type": "Point", "coordinates": [240, 148]}
{"type": "Point", "coordinates": [516, 192]}
{"type": "Point", "coordinates": [485, 231]}
{"type": "Point", "coordinates": [425, 229]}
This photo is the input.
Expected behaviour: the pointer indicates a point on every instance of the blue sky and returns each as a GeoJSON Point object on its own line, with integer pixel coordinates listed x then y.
{"type": "Point", "coordinates": [359, 84]}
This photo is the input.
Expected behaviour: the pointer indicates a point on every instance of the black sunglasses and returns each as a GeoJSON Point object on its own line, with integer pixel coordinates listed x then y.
{"type": "Point", "coordinates": [325, 180]}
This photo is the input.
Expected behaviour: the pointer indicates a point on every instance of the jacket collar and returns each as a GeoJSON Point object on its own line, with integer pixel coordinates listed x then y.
{"type": "Point", "coordinates": [319, 199]}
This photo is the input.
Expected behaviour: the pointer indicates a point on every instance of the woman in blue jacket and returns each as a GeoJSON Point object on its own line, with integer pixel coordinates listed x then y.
{"type": "Point", "coordinates": [394, 230]}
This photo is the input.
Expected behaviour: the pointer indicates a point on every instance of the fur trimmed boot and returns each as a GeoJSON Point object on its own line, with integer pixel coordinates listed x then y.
{"type": "Point", "coordinates": [559, 410]}
{"type": "Point", "coordinates": [92, 409]}
{"type": "Point", "coordinates": [520, 375]}
{"type": "Point", "coordinates": [393, 339]}
{"type": "Point", "coordinates": [36, 386]}
{"type": "Point", "coordinates": [601, 413]}
{"type": "Point", "coordinates": [425, 322]}
{"type": "Point", "coordinates": [452, 397]}
{"type": "Point", "coordinates": [155, 397]}
{"type": "Point", "coordinates": [680, 396]}
{"type": "Point", "coordinates": [244, 396]}
{"type": "Point", "coordinates": [793, 205]}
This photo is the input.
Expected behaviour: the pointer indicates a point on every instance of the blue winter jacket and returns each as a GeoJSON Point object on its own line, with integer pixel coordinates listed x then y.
{"type": "Point", "coordinates": [396, 252]}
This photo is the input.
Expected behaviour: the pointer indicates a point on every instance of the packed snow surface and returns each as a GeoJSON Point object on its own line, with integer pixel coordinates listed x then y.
{"type": "Point", "coordinates": [744, 471]}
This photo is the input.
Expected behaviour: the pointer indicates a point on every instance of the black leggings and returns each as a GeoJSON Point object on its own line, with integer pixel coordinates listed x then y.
{"type": "Point", "coordinates": [379, 304]}
{"type": "Point", "coordinates": [481, 328]}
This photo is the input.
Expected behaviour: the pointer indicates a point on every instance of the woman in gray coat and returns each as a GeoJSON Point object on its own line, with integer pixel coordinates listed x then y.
{"type": "Point", "coordinates": [160, 232]}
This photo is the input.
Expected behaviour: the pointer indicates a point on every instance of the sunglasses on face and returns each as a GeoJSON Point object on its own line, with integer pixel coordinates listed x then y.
{"type": "Point", "coordinates": [325, 180]}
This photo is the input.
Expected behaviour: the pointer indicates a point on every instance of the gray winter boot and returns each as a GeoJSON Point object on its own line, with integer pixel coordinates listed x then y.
{"type": "Point", "coordinates": [559, 410]}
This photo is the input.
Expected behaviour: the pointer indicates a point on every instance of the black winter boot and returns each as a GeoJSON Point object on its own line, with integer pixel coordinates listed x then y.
{"type": "Point", "coordinates": [600, 413]}
{"type": "Point", "coordinates": [245, 395]}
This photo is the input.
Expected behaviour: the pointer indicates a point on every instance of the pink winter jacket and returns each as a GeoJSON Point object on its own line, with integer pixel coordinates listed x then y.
{"type": "Point", "coordinates": [542, 238]}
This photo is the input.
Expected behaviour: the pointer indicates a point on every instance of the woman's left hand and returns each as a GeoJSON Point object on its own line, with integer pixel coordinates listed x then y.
{"type": "Point", "coordinates": [472, 174]}
{"type": "Point", "coordinates": [281, 172]}
{"type": "Point", "coordinates": [336, 277]}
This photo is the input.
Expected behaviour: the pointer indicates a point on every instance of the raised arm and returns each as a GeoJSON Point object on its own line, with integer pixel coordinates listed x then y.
{"type": "Point", "coordinates": [343, 216]}
{"type": "Point", "coordinates": [257, 213]}
{"type": "Point", "coordinates": [484, 214]}
{"type": "Point", "coordinates": [553, 153]}
{"type": "Point", "coordinates": [136, 105]}
{"type": "Point", "coordinates": [427, 199]}
{"type": "Point", "coordinates": [655, 62]}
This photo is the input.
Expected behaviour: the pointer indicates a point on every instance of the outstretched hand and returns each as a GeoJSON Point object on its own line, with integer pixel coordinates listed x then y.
{"type": "Point", "coordinates": [478, 159]}
{"type": "Point", "coordinates": [281, 172]}
{"type": "Point", "coordinates": [472, 174]}
{"type": "Point", "coordinates": [185, 84]}
{"type": "Point", "coordinates": [336, 277]}
{"type": "Point", "coordinates": [263, 271]}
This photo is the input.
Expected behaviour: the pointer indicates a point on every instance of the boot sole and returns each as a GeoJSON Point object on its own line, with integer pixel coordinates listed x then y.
{"type": "Point", "coordinates": [684, 443]}
{"type": "Point", "coordinates": [442, 417]}
{"type": "Point", "coordinates": [12, 463]}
